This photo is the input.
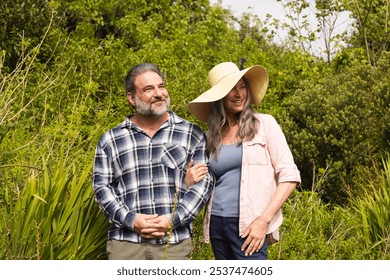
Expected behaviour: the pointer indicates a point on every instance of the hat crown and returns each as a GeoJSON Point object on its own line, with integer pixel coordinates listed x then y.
{"type": "Point", "coordinates": [220, 71]}
{"type": "Point", "coordinates": [222, 78]}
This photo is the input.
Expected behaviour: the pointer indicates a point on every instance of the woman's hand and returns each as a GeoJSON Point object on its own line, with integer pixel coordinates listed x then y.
{"type": "Point", "coordinates": [255, 236]}
{"type": "Point", "coordinates": [255, 233]}
{"type": "Point", "coordinates": [195, 173]}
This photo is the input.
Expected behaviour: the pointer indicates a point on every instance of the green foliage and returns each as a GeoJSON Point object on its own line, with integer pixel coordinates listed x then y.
{"type": "Point", "coordinates": [339, 124]}
{"type": "Point", "coordinates": [23, 24]}
{"type": "Point", "coordinates": [313, 230]}
{"type": "Point", "coordinates": [372, 23]}
{"type": "Point", "coordinates": [53, 217]}
{"type": "Point", "coordinates": [62, 65]}
{"type": "Point", "coordinates": [201, 250]}
{"type": "Point", "coordinates": [373, 208]}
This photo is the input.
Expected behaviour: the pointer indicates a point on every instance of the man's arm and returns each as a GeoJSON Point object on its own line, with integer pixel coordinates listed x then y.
{"type": "Point", "coordinates": [103, 183]}
{"type": "Point", "coordinates": [194, 198]}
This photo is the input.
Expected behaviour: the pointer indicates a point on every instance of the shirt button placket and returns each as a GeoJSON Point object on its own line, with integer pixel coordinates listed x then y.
{"type": "Point", "coordinates": [151, 171]}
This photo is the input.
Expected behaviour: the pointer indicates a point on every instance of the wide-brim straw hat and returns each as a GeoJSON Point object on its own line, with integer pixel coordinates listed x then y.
{"type": "Point", "coordinates": [222, 78]}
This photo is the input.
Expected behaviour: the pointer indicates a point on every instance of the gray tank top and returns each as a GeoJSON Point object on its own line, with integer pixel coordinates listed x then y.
{"type": "Point", "coordinates": [227, 170]}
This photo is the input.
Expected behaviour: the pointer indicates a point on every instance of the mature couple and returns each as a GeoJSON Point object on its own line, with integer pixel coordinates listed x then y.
{"type": "Point", "coordinates": [154, 172]}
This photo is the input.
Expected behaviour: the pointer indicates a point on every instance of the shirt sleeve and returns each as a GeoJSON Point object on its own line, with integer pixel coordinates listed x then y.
{"type": "Point", "coordinates": [104, 186]}
{"type": "Point", "coordinates": [194, 198]}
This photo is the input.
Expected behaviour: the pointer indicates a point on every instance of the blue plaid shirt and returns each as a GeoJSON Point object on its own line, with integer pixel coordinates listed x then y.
{"type": "Point", "coordinates": [134, 173]}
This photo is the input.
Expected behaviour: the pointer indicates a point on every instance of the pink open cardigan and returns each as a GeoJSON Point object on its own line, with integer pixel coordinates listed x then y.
{"type": "Point", "coordinates": [266, 161]}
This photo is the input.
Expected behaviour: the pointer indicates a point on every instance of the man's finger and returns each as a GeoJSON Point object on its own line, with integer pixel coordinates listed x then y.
{"type": "Point", "coordinates": [153, 235]}
{"type": "Point", "coordinates": [149, 216]}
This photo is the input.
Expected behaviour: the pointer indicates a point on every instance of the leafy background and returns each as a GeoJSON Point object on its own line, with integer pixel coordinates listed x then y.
{"type": "Point", "coordinates": [62, 65]}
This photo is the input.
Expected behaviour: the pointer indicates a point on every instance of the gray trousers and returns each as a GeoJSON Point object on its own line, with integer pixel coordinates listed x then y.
{"type": "Point", "coordinates": [124, 250]}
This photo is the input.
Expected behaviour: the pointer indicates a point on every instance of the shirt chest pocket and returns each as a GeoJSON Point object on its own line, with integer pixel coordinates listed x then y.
{"type": "Point", "coordinates": [173, 156]}
{"type": "Point", "coordinates": [257, 152]}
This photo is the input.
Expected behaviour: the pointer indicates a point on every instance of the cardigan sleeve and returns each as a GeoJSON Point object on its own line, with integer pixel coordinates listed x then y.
{"type": "Point", "coordinates": [280, 153]}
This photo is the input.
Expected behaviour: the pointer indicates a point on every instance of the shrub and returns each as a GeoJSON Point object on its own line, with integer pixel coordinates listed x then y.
{"type": "Point", "coordinates": [53, 217]}
{"type": "Point", "coordinates": [339, 126]}
{"type": "Point", "coordinates": [373, 209]}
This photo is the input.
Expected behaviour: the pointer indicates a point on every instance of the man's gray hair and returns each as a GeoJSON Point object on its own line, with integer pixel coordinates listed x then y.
{"type": "Point", "coordinates": [137, 70]}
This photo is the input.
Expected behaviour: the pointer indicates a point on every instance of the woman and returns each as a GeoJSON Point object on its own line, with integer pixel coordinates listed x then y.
{"type": "Point", "coordinates": [251, 160]}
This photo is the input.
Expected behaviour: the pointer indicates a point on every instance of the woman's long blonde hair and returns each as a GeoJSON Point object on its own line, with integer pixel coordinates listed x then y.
{"type": "Point", "coordinates": [247, 122]}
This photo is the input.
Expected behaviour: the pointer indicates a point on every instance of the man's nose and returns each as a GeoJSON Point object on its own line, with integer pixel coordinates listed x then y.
{"type": "Point", "coordinates": [158, 92]}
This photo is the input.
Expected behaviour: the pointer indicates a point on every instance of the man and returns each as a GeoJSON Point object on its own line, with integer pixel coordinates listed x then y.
{"type": "Point", "coordinates": [139, 174]}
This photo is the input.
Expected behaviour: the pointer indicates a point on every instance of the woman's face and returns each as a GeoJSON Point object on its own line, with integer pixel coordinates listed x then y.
{"type": "Point", "coordinates": [234, 102]}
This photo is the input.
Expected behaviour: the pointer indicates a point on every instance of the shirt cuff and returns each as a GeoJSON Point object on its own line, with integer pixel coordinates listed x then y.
{"type": "Point", "coordinates": [129, 221]}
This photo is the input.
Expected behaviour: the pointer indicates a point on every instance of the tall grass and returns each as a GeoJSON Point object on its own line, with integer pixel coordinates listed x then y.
{"type": "Point", "coordinates": [360, 230]}
{"type": "Point", "coordinates": [374, 211]}
{"type": "Point", "coordinates": [313, 230]}
{"type": "Point", "coordinates": [54, 217]}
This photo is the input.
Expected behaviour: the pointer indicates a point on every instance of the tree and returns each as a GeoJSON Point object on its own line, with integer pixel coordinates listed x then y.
{"type": "Point", "coordinates": [328, 14]}
{"type": "Point", "coordinates": [372, 21]}
{"type": "Point", "coordinates": [24, 22]}
{"type": "Point", "coordinates": [307, 32]}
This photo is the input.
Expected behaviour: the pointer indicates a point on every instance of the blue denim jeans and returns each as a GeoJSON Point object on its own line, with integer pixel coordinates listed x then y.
{"type": "Point", "coordinates": [226, 242]}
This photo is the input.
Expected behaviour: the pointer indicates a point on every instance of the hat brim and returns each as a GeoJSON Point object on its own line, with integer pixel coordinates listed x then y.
{"type": "Point", "coordinates": [257, 78]}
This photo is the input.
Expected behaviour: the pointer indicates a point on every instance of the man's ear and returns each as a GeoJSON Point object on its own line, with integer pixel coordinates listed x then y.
{"type": "Point", "coordinates": [131, 98]}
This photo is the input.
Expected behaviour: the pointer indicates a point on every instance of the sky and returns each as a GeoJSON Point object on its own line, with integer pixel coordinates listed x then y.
{"type": "Point", "coordinates": [263, 7]}
{"type": "Point", "coordinates": [260, 7]}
